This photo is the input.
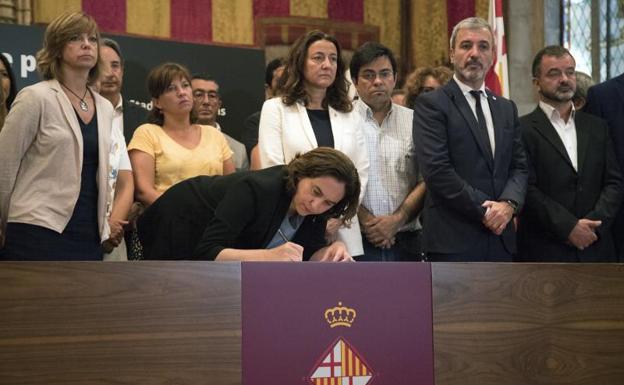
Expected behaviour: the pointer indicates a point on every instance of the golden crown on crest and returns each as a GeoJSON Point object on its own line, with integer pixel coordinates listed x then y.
{"type": "Point", "coordinates": [340, 316]}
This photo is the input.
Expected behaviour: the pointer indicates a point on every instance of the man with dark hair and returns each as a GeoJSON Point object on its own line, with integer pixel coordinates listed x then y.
{"type": "Point", "coordinates": [128, 116]}
{"type": "Point", "coordinates": [250, 134]}
{"type": "Point", "coordinates": [395, 191]}
{"type": "Point", "coordinates": [575, 186]}
{"type": "Point", "coordinates": [606, 100]}
{"type": "Point", "coordinates": [207, 105]}
{"type": "Point", "coordinates": [469, 148]}
{"type": "Point", "coordinates": [271, 75]}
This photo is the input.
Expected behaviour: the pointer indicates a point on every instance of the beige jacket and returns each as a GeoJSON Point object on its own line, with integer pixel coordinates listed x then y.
{"type": "Point", "coordinates": [41, 159]}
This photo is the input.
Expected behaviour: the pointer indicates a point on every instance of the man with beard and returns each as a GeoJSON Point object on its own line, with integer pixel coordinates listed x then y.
{"type": "Point", "coordinates": [575, 186]}
{"type": "Point", "coordinates": [395, 191]}
{"type": "Point", "coordinates": [470, 151]}
{"type": "Point", "coordinates": [207, 102]}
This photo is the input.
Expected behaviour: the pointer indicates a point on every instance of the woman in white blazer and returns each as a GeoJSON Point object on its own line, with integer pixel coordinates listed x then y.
{"type": "Point", "coordinates": [55, 148]}
{"type": "Point", "coordinates": [314, 110]}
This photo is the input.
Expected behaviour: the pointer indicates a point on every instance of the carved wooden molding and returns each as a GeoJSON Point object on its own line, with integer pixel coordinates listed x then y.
{"type": "Point", "coordinates": [271, 31]}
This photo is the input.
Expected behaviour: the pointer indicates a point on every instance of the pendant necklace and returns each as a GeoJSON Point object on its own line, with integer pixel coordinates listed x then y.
{"type": "Point", "coordinates": [83, 105]}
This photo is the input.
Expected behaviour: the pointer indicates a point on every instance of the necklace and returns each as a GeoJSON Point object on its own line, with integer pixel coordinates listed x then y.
{"type": "Point", "coordinates": [83, 105]}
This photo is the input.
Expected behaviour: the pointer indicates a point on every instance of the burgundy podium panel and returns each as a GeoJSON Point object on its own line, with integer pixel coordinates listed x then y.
{"type": "Point", "coordinates": [337, 324]}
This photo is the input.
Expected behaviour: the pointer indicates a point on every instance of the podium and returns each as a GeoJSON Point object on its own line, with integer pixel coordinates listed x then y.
{"type": "Point", "coordinates": [180, 323]}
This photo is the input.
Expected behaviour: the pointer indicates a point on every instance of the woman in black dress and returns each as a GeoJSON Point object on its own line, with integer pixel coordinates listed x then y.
{"type": "Point", "coordinates": [276, 214]}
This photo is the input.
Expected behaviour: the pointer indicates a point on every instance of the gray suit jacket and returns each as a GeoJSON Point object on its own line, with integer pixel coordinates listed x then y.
{"type": "Point", "coordinates": [240, 153]}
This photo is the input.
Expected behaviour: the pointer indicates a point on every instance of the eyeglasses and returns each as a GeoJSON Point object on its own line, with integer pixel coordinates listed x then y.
{"type": "Point", "coordinates": [371, 75]}
{"type": "Point", "coordinates": [201, 94]}
{"type": "Point", "coordinates": [424, 90]}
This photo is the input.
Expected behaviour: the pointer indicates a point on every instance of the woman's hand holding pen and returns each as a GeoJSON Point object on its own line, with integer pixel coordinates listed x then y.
{"type": "Point", "coordinates": [287, 252]}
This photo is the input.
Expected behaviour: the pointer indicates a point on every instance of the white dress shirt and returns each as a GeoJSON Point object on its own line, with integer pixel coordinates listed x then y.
{"type": "Point", "coordinates": [484, 105]}
{"type": "Point", "coordinates": [566, 130]}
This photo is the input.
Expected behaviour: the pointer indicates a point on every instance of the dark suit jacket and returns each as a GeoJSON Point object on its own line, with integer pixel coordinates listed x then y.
{"type": "Point", "coordinates": [199, 217]}
{"type": "Point", "coordinates": [249, 136]}
{"type": "Point", "coordinates": [459, 171]}
{"type": "Point", "coordinates": [133, 116]}
{"type": "Point", "coordinates": [606, 100]}
{"type": "Point", "coordinates": [558, 195]}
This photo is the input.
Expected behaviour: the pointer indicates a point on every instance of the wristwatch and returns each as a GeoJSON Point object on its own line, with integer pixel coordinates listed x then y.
{"type": "Point", "coordinates": [513, 204]}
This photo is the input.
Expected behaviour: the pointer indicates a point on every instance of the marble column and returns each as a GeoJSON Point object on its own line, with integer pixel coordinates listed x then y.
{"type": "Point", "coordinates": [531, 25]}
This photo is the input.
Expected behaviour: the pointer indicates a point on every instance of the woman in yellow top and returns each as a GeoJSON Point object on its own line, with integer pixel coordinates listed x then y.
{"type": "Point", "coordinates": [170, 148]}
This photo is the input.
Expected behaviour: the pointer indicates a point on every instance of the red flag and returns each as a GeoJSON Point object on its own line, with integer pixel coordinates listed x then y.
{"type": "Point", "coordinates": [497, 78]}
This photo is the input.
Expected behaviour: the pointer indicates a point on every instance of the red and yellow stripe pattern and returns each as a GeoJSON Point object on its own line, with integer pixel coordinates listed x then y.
{"type": "Point", "coordinates": [240, 22]}
{"type": "Point", "coordinates": [341, 366]}
{"type": "Point", "coordinates": [222, 21]}
{"type": "Point", "coordinates": [351, 364]}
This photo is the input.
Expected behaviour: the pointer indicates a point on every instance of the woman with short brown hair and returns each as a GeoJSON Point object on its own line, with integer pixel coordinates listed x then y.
{"type": "Point", "coordinates": [55, 146]}
{"type": "Point", "coordinates": [170, 148]}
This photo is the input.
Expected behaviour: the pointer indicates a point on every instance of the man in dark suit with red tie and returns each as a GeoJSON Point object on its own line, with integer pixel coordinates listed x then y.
{"type": "Point", "coordinates": [575, 186]}
{"type": "Point", "coordinates": [469, 147]}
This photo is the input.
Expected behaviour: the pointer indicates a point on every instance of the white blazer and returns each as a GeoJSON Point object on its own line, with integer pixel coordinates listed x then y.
{"type": "Point", "coordinates": [41, 158]}
{"type": "Point", "coordinates": [286, 131]}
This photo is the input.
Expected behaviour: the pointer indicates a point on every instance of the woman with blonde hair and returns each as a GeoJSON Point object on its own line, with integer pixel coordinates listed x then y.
{"type": "Point", "coordinates": [55, 147]}
{"type": "Point", "coordinates": [314, 110]}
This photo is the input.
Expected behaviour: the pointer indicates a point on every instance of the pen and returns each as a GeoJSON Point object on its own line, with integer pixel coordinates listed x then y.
{"type": "Point", "coordinates": [281, 234]}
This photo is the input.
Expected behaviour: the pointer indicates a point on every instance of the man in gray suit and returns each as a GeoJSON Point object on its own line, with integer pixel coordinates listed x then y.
{"type": "Point", "coordinates": [470, 151]}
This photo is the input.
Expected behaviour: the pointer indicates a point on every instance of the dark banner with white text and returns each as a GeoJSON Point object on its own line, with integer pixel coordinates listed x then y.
{"type": "Point", "coordinates": [239, 71]}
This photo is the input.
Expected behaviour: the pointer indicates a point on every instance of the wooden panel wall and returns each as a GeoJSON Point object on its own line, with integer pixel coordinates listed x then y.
{"type": "Point", "coordinates": [178, 323]}
{"type": "Point", "coordinates": [120, 323]}
{"type": "Point", "coordinates": [528, 324]}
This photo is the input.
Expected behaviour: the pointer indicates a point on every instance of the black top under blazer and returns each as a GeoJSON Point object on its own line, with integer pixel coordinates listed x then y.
{"type": "Point", "coordinates": [199, 217]}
